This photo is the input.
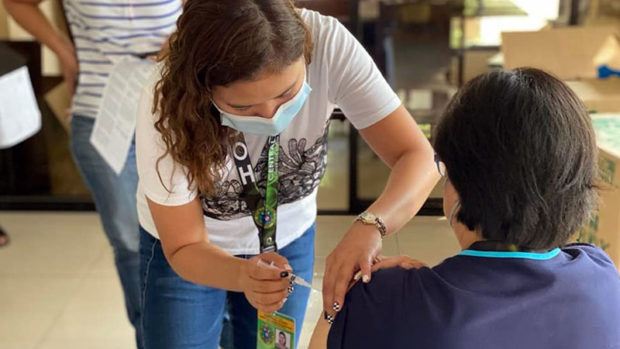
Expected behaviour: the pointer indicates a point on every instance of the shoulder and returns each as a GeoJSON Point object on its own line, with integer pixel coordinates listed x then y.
{"type": "Point", "coordinates": [146, 134]}
{"type": "Point", "coordinates": [147, 95]}
{"type": "Point", "coordinates": [325, 30]}
{"type": "Point", "coordinates": [318, 22]}
{"type": "Point", "coordinates": [387, 286]}
{"type": "Point", "coordinates": [389, 300]}
{"type": "Point", "coordinates": [152, 79]}
{"type": "Point", "coordinates": [588, 252]}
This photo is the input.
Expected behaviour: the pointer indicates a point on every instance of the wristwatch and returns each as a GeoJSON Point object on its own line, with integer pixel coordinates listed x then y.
{"type": "Point", "coordinates": [369, 218]}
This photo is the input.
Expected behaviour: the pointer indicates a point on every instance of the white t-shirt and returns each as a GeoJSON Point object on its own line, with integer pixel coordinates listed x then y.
{"type": "Point", "coordinates": [341, 74]}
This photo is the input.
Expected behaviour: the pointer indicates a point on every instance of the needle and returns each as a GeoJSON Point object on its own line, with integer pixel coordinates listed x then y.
{"type": "Point", "coordinates": [292, 277]}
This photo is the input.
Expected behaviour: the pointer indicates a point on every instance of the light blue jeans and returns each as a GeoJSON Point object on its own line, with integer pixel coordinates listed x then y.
{"type": "Point", "coordinates": [182, 315]}
{"type": "Point", "coordinates": [115, 200]}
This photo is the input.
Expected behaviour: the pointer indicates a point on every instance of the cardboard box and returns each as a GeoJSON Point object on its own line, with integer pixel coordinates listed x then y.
{"type": "Point", "coordinates": [476, 63]}
{"type": "Point", "coordinates": [603, 229]}
{"type": "Point", "coordinates": [569, 53]}
{"type": "Point", "coordinates": [601, 96]}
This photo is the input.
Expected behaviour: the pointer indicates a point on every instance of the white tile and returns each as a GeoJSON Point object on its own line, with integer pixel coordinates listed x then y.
{"type": "Point", "coordinates": [45, 300]}
{"type": "Point", "coordinates": [103, 265]}
{"type": "Point", "coordinates": [29, 306]}
{"type": "Point", "coordinates": [17, 343]}
{"type": "Point", "coordinates": [107, 343]}
{"type": "Point", "coordinates": [50, 243]}
{"type": "Point", "coordinates": [93, 318]}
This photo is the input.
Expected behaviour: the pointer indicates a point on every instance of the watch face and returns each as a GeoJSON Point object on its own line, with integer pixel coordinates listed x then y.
{"type": "Point", "coordinates": [367, 217]}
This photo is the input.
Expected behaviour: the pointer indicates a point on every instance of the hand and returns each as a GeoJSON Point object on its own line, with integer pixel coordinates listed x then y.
{"type": "Point", "coordinates": [266, 287]}
{"type": "Point", "coordinates": [404, 262]}
{"type": "Point", "coordinates": [359, 248]}
{"type": "Point", "coordinates": [69, 66]}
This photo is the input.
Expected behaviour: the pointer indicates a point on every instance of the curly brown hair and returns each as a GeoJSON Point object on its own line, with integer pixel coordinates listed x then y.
{"type": "Point", "coordinates": [217, 43]}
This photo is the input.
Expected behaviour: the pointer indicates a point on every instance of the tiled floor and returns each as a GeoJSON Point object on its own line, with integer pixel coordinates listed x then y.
{"type": "Point", "coordinates": [59, 289]}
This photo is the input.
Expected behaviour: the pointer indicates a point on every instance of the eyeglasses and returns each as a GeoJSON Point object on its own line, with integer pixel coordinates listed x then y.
{"type": "Point", "coordinates": [441, 167]}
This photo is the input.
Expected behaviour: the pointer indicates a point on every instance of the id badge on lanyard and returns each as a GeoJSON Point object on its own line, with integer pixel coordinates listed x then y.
{"type": "Point", "coordinates": [275, 331]}
{"type": "Point", "coordinates": [264, 210]}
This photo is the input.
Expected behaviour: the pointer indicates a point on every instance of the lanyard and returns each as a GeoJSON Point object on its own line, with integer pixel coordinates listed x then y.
{"type": "Point", "coordinates": [264, 210]}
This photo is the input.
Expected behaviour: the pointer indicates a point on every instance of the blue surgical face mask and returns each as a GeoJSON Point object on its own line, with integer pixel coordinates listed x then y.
{"type": "Point", "coordinates": [268, 127]}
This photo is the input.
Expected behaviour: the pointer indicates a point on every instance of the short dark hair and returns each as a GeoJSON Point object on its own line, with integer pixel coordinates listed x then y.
{"type": "Point", "coordinates": [520, 150]}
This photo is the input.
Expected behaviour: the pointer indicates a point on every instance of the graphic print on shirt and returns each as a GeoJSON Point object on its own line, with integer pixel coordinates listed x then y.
{"type": "Point", "coordinates": [301, 168]}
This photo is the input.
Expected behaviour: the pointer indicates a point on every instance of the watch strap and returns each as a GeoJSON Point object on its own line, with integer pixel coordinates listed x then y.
{"type": "Point", "coordinates": [377, 222]}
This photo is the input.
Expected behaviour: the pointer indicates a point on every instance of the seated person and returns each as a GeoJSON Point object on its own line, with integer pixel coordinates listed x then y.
{"type": "Point", "coordinates": [519, 155]}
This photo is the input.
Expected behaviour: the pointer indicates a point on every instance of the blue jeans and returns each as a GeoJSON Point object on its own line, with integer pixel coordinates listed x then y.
{"type": "Point", "coordinates": [115, 200]}
{"type": "Point", "coordinates": [181, 315]}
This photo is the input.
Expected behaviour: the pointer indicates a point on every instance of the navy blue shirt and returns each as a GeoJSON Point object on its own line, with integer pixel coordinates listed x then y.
{"type": "Point", "coordinates": [568, 298]}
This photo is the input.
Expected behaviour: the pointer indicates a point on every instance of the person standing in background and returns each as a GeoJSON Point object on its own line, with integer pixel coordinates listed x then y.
{"type": "Point", "coordinates": [104, 33]}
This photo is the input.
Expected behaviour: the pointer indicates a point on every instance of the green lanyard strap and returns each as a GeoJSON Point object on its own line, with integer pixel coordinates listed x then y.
{"type": "Point", "coordinates": [264, 210]}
